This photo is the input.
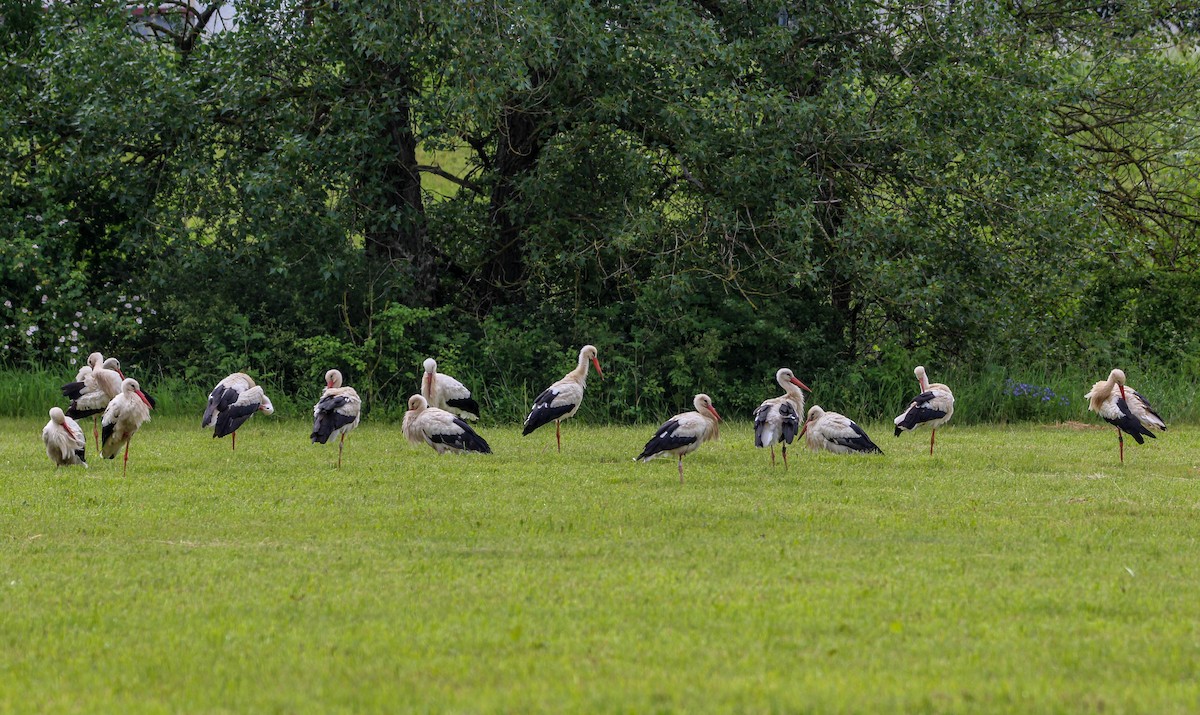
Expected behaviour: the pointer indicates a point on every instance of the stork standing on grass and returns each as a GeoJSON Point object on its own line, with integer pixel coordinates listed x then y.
{"type": "Point", "coordinates": [95, 384]}
{"type": "Point", "coordinates": [836, 433]}
{"type": "Point", "coordinates": [684, 433]}
{"type": "Point", "coordinates": [1124, 408]}
{"type": "Point", "coordinates": [233, 401]}
{"type": "Point", "coordinates": [778, 419]}
{"type": "Point", "coordinates": [123, 417]}
{"type": "Point", "coordinates": [65, 443]}
{"type": "Point", "coordinates": [933, 407]}
{"type": "Point", "coordinates": [561, 400]}
{"type": "Point", "coordinates": [446, 393]}
{"type": "Point", "coordinates": [439, 429]}
{"type": "Point", "coordinates": [336, 413]}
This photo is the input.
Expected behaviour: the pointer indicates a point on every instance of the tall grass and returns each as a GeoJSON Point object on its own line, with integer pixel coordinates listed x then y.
{"type": "Point", "coordinates": [986, 395]}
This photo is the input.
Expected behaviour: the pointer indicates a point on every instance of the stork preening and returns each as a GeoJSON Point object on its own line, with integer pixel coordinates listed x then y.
{"type": "Point", "coordinates": [233, 401]}
{"type": "Point", "coordinates": [336, 413]}
{"type": "Point", "coordinates": [439, 429]}
{"type": "Point", "coordinates": [836, 433]}
{"type": "Point", "coordinates": [777, 420]}
{"type": "Point", "coordinates": [933, 407]}
{"type": "Point", "coordinates": [561, 400]}
{"type": "Point", "coordinates": [684, 433]}
{"type": "Point", "coordinates": [1124, 408]}
{"type": "Point", "coordinates": [65, 443]}
{"type": "Point", "coordinates": [124, 415]}
{"type": "Point", "coordinates": [95, 384]}
{"type": "Point", "coordinates": [446, 393]}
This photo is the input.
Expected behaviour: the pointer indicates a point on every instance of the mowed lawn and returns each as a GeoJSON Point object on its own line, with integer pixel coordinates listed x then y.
{"type": "Point", "coordinates": [1020, 569]}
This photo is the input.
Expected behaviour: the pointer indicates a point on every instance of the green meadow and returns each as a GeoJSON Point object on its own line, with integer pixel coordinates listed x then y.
{"type": "Point", "coordinates": [1020, 569]}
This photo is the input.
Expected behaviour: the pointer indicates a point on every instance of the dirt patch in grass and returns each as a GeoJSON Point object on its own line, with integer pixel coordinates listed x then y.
{"type": "Point", "coordinates": [1075, 426]}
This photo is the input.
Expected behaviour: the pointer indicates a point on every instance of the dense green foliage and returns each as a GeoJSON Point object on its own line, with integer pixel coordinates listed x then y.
{"type": "Point", "coordinates": [1019, 570]}
{"type": "Point", "coordinates": [705, 190]}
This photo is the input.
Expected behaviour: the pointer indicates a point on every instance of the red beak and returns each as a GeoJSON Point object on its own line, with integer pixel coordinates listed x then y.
{"type": "Point", "coordinates": [801, 385]}
{"type": "Point", "coordinates": [804, 430]}
{"type": "Point", "coordinates": [714, 411]}
{"type": "Point", "coordinates": [329, 384]}
{"type": "Point", "coordinates": [67, 427]}
{"type": "Point", "coordinates": [143, 396]}
{"type": "Point", "coordinates": [429, 382]}
{"type": "Point", "coordinates": [1122, 392]}
{"type": "Point", "coordinates": [597, 364]}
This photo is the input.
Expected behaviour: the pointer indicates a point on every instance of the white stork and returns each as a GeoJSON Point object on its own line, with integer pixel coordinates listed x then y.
{"type": "Point", "coordinates": [933, 407]}
{"type": "Point", "coordinates": [1124, 408]}
{"type": "Point", "coordinates": [561, 400]}
{"type": "Point", "coordinates": [124, 415]}
{"type": "Point", "coordinates": [233, 401]}
{"type": "Point", "coordinates": [836, 433]}
{"type": "Point", "coordinates": [446, 393]}
{"type": "Point", "coordinates": [778, 419]}
{"type": "Point", "coordinates": [440, 429]}
{"type": "Point", "coordinates": [336, 413]}
{"type": "Point", "coordinates": [684, 433]}
{"type": "Point", "coordinates": [95, 384]}
{"type": "Point", "coordinates": [65, 443]}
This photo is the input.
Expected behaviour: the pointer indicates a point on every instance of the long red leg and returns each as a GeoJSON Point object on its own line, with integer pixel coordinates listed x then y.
{"type": "Point", "coordinates": [234, 435]}
{"type": "Point", "coordinates": [95, 433]}
{"type": "Point", "coordinates": [1121, 444]}
{"type": "Point", "coordinates": [558, 434]}
{"type": "Point", "coordinates": [125, 468]}
{"type": "Point", "coordinates": [340, 443]}
{"type": "Point", "coordinates": [785, 456]}
{"type": "Point", "coordinates": [681, 469]}
{"type": "Point", "coordinates": [932, 436]}
{"type": "Point", "coordinates": [772, 456]}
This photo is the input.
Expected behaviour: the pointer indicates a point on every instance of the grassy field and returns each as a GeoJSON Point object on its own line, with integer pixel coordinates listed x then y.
{"type": "Point", "coordinates": [1018, 570]}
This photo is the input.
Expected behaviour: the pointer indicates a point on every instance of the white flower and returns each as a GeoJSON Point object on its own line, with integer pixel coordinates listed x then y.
{"type": "Point", "coordinates": [35, 246]}
{"type": "Point", "coordinates": [153, 311]}
{"type": "Point", "coordinates": [74, 349]}
{"type": "Point", "coordinates": [78, 314]}
{"type": "Point", "coordinates": [138, 309]}
{"type": "Point", "coordinates": [31, 330]}
{"type": "Point", "coordinates": [74, 325]}
{"type": "Point", "coordinates": [45, 298]}
{"type": "Point", "coordinates": [62, 338]}
{"type": "Point", "coordinates": [75, 333]}
{"type": "Point", "coordinates": [128, 305]}
{"type": "Point", "coordinates": [138, 320]}
{"type": "Point", "coordinates": [8, 304]}
{"type": "Point", "coordinates": [56, 348]}
{"type": "Point", "coordinates": [72, 359]}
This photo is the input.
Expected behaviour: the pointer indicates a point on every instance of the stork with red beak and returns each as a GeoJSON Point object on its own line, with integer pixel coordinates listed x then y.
{"type": "Point", "coordinates": [837, 433]}
{"type": "Point", "coordinates": [1124, 408]}
{"type": "Point", "coordinates": [561, 400]}
{"type": "Point", "coordinates": [65, 443]}
{"type": "Point", "coordinates": [336, 413]}
{"type": "Point", "coordinates": [440, 429]}
{"type": "Point", "coordinates": [777, 420]}
{"type": "Point", "coordinates": [684, 433]}
{"type": "Point", "coordinates": [95, 384]}
{"type": "Point", "coordinates": [123, 417]}
{"type": "Point", "coordinates": [933, 407]}
{"type": "Point", "coordinates": [446, 393]}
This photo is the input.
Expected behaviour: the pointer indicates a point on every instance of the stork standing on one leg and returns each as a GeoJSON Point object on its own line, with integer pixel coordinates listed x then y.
{"type": "Point", "coordinates": [124, 415]}
{"type": "Point", "coordinates": [65, 442]}
{"type": "Point", "coordinates": [440, 429]}
{"type": "Point", "coordinates": [836, 433]}
{"type": "Point", "coordinates": [684, 433]}
{"type": "Point", "coordinates": [933, 407]}
{"type": "Point", "coordinates": [561, 400]}
{"type": "Point", "coordinates": [233, 401]}
{"type": "Point", "coordinates": [336, 413]}
{"type": "Point", "coordinates": [1124, 408]}
{"type": "Point", "coordinates": [95, 384]}
{"type": "Point", "coordinates": [778, 419]}
{"type": "Point", "coordinates": [446, 393]}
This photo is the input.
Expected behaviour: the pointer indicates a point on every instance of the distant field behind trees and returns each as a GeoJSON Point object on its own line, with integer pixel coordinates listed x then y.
{"type": "Point", "coordinates": [705, 190]}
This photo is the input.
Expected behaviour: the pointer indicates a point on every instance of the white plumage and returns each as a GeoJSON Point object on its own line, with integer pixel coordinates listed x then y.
{"type": "Point", "coordinates": [1124, 408]}
{"type": "Point", "coordinates": [65, 443]}
{"type": "Point", "coordinates": [123, 417]}
{"type": "Point", "coordinates": [933, 407]}
{"type": "Point", "coordinates": [777, 420]}
{"type": "Point", "coordinates": [836, 433]}
{"type": "Point", "coordinates": [439, 429]}
{"type": "Point", "coordinates": [336, 413]}
{"type": "Point", "coordinates": [234, 400]}
{"type": "Point", "coordinates": [561, 400]}
{"type": "Point", "coordinates": [446, 393]}
{"type": "Point", "coordinates": [684, 433]}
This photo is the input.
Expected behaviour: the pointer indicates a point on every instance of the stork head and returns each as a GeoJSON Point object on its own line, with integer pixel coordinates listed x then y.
{"type": "Point", "coordinates": [131, 389]}
{"type": "Point", "coordinates": [430, 370]}
{"type": "Point", "coordinates": [95, 359]}
{"type": "Point", "coordinates": [785, 376]}
{"type": "Point", "coordinates": [114, 365]}
{"type": "Point", "coordinates": [416, 403]}
{"type": "Point", "coordinates": [588, 352]}
{"type": "Point", "coordinates": [814, 413]}
{"type": "Point", "coordinates": [921, 378]}
{"type": "Point", "coordinates": [704, 404]}
{"type": "Point", "coordinates": [60, 419]}
{"type": "Point", "coordinates": [333, 378]}
{"type": "Point", "coordinates": [1118, 376]}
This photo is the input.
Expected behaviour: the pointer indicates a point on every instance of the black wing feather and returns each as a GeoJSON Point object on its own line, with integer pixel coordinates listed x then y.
{"type": "Point", "coordinates": [542, 413]}
{"type": "Point", "coordinates": [233, 417]}
{"type": "Point", "coordinates": [466, 404]}
{"type": "Point", "coordinates": [214, 397]}
{"type": "Point", "coordinates": [1129, 424]}
{"type": "Point", "coordinates": [75, 413]}
{"type": "Point", "coordinates": [665, 440]}
{"type": "Point", "coordinates": [73, 390]}
{"type": "Point", "coordinates": [106, 432]}
{"type": "Point", "coordinates": [328, 419]}
{"type": "Point", "coordinates": [760, 423]}
{"type": "Point", "coordinates": [1149, 409]}
{"type": "Point", "coordinates": [82, 454]}
{"type": "Point", "coordinates": [860, 442]}
{"type": "Point", "coordinates": [468, 440]}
